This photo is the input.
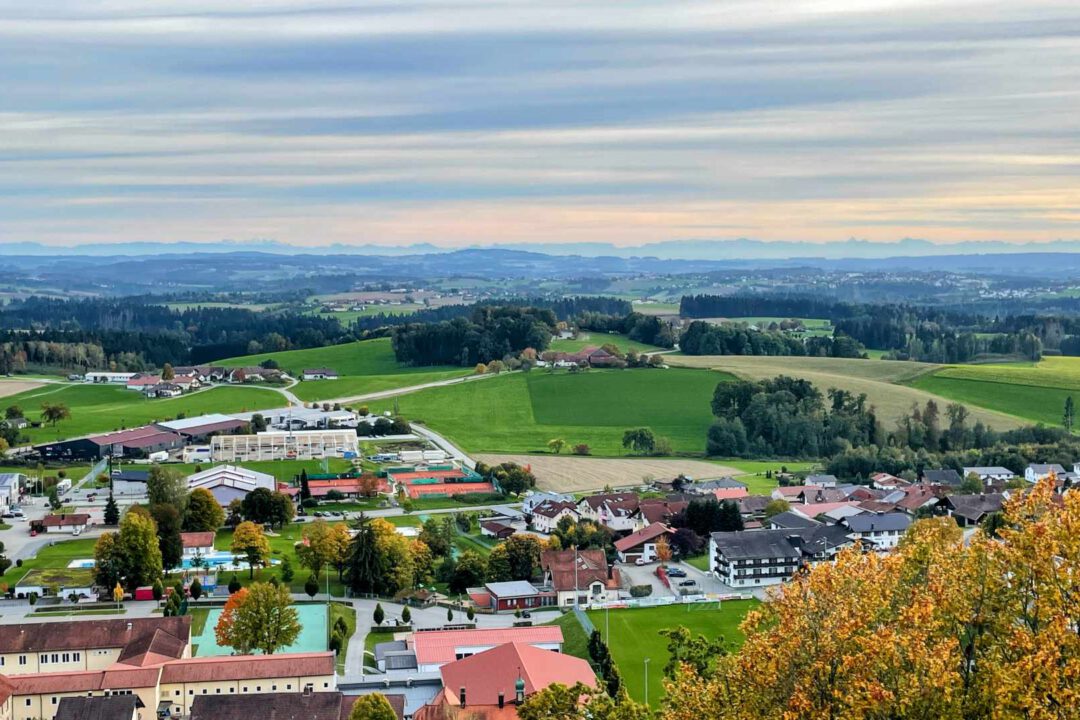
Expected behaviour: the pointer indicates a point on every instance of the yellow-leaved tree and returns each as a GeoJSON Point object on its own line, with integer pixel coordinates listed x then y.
{"type": "Point", "coordinates": [941, 628]}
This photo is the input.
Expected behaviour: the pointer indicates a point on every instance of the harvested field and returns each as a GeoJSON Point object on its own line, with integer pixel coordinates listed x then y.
{"type": "Point", "coordinates": [883, 381]}
{"type": "Point", "coordinates": [14, 387]}
{"type": "Point", "coordinates": [566, 473]}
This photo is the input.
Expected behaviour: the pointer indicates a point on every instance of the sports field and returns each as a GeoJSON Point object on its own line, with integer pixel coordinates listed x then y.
{"type": "Point", "coordinates": [365, 367]}
{"type": "Point", "coordinates": [635, 635]}
{"type": "Point", "coordinates": [519, 413]}
{"type": "Point", "coordinates": [1034, 391]}
{"type": "Point", "coordinates": [104, 408]}
{"type": "Point", "coordinates": [891, 386]}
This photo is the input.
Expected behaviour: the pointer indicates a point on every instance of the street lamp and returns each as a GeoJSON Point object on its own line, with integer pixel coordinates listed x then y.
{"type": "Point", "coordinates": [646, 681]}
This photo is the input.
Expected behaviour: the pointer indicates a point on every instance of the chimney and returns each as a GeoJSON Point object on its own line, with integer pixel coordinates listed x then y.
{"type": "Point", "coordinates": [502, 699]}
{"type": "Point", "coordinates": [461, 696]}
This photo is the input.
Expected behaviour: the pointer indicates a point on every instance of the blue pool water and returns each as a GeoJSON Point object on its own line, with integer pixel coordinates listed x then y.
{"type": "Point", "coordinates": [217, 560]}
{"type": "Point", "coordinates": [312, 636]}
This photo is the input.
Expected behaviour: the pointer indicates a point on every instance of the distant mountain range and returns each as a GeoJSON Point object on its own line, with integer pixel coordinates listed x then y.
{"type": "Point", "coordinates": [715, 250]}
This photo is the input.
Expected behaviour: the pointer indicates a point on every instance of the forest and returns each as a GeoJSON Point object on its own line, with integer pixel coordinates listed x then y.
{"type": "Point", "coordinates": [702, 338]}
{"type": "Point", "coordinates": [490, 333]}
{"type": "Point", "coordinates": [566, 308]}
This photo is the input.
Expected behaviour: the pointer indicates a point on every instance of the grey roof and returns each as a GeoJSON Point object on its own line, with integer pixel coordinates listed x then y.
{"type": "Point", "coordinates": [514, 588]}
{"type": "Point", "coordinates": [946, 476]}
{"type": "Point", "coordinates": [110, 707]}
{"type": "Point", "coordinates": [1046, 469]}
{"type": "Point", "coordinates": [888, 522]}
{"type": "Point", "coordinates": [401, 661]}
{"type": "Point", "coordinates": [824, 537]}
{"type": "Point", "coordinates": [791, 520]}
{"type": "Point", "coordinates": [755, 544]}
{"type": "Point", "coordinates": [724, 483]}
{"type": "Point", "coordinates": [974, 507]}
{"type": "Point", "coordinates": [821, 479]}
{"type": "Point", "coordinates": [989, 470]}
{"type": "Point", "coordinates": [381, 649]}
{"type": "Point", "coordinates": [10, 479]}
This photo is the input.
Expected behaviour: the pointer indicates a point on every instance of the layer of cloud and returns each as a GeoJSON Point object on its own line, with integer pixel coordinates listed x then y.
{"type": "Point", "coordinates": [473, 122]}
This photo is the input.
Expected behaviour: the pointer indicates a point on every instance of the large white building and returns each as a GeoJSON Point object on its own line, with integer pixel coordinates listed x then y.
{"type": "Point", "coordinates": [285, 445]}
{"type": "Point", "coordinates": [10, 487]}
{"type": "Point", "coordinates": [228, 482]}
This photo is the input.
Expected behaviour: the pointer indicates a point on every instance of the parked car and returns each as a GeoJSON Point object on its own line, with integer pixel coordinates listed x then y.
{"type": "Point", "coordinates": [640, 561]}
{"type": "Point", "coordinates": [687, 583]}
{"type": "Point", "coordinates": [676, 572]}
{"type": "Point", "coordinates": [8, 515]}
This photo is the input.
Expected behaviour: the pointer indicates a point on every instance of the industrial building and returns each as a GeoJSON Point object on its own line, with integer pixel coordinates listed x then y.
{"type": "Point", "coordinates": [285, 445]}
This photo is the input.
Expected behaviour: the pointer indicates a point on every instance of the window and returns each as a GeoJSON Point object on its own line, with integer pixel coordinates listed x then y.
{"type": "Point", "coordinates": [217, 691]}
{"type": "Point", "coordinates": [176, 693]}
{"type": "Point", "coordinates": [27, 702]}
{"type": "Point", "coordinates": [76, 657]}
{"type": "Point", "coordinates": [53, 699]}
{"type": "Point", "coordinates": [44, 660]}
{"type": "Point", "coordinates": [326, 685]}
{"type": "Point", "coordinates": [245, 688]}
{"type": "Point", "coordinates": [67, 657]}
{"type": "Point", "coordinates": [274, 688]}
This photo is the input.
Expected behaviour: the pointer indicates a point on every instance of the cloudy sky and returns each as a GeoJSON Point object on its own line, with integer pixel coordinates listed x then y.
{"type": "Point", "coordinates": [458, 122]}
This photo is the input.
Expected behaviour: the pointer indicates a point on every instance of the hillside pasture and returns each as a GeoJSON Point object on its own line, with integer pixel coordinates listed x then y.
{"type": "Point", "coordinates": [365, 367]}
{"type": "Point", "coordinates": [520, 412]}
{"type": "Point", "coordinates": [1034, 391]}
{"type": "Point", "coordinates": [596, 339]}
{"type": "Point", "coordinates": [104, 408]}
{"type": "Point", "coordinates": [889, 385]}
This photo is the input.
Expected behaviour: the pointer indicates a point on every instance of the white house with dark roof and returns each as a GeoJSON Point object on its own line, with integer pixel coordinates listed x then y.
{"type": "Point", "coordinates": [880, 532]}
{"type": "Point", "coordinates": [1036, 472]}
{"type": "Point", "coordinates": [990, 474]}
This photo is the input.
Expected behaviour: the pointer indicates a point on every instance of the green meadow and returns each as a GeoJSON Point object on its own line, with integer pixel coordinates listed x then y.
{"type": "Point", "coordinates": [520, 412]}
{"type": "Point", "coordinates": [103, 408]}
{"type": "Point", "coordinates": [365, 367]}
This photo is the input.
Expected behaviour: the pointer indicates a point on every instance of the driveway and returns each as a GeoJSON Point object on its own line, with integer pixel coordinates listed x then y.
{"type": "Point", "coordinates": [644, 575]}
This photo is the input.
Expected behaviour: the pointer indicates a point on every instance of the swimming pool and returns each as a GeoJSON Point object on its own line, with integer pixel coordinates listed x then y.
{"type": "Point", "coordinates": [213, 561]}
{"type": "Point", "coordinates": [312, 636]}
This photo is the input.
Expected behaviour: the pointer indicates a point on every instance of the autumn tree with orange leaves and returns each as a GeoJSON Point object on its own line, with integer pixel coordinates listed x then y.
{"type": "Point", "coordinates": [988, 630]}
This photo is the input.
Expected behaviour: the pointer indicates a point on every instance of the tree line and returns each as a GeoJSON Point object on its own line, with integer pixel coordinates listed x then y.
{"type": "Point", "coordinates": [702, 338]}
{"type": "Point", "coordinates": [489, 333]}
{"type": "Point", "coordinates": [564, 308]}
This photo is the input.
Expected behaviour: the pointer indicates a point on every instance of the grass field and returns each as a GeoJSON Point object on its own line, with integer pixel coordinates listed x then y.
{"type": "Point", "coordinates": [635, 635]}
{"type": "Point", "coordinates": [575, 641]}
{"type": "Point", "coordinates": [891, 386]}
{"type": "Point", "coordinates": [104, 408]}
{"type": "Point", "coordinates": [519, 413]}
{"type": "Point", "coordinates": [596, 339]}
{"type": "Point", "coordinates": [365, 367]}
{"type": "Point", "coordinates": [657, 308]}
{"type": "Point", "coordinates": [52, 558]}
{"type": "Point", "coordinates": [347, 316]}
{"type": "Point", "coordinates": [814, 326]}
{"type": "Point", "coordinates": [1033, 391]}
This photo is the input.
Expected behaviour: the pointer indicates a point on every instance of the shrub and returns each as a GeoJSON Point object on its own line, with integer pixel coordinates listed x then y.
{"type": "Point", "coordinates": [582, 449]}
{"type": "Point", "coordinates": [641, 591]}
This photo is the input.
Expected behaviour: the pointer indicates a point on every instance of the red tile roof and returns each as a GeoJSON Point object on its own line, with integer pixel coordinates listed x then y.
{"type": "Point", "coordinates": [88, 634]}
{"type": "Point", "coordinates": [74, 519]}
{"type": "Point", "coordinates": [248, 667]}
{"type": "Point", "coordinates": [730, 493]}
{"type": "Point", "coordinates": [642, 536]}
{"type": "Point", "coordinates": [438, 646]}
{"type": "Point", "coordinates": [84, 681]}
{"type": "Point", "coordinates": [197, 539]}
{"type": "Point", "coordinates": [405, 477]}
{"type": "Point", "coordinates": [486, 674]}
{"type": "Point", "coordinates": [592, 566]}
{"type": "Point", "coordinates": [6, 689]}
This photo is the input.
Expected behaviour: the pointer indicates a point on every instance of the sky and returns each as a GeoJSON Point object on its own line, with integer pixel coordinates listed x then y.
{"type": "Point", "coordinates": [463, 123]}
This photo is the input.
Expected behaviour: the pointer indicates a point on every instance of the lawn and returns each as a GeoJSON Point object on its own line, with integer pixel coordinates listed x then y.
{"type": "Point", "coordinates": [104, 408]}
{"type": "Point", "coordinates": [281, 547]}
{"type": "Point", "coordinates": [635, 635]}
{"type": "Point", "coordinates": [814, 326]}
{"type": "Point", "coordinates": [519, 413]}
{"type": "Point", "coordinates": [596, 339]}
{"type": "Point", "coordinates": [575, 641]}
{"type": "Point", "coordinates": [752, 472]}
{"type": "Point", "coordinates": [51, 559]}
{"type": "Point", "coordinates": [348, 614]}
{"type": "Point", "coordinates": [347, 316]}
{"type": "Point", "coordinates": [365, 367]}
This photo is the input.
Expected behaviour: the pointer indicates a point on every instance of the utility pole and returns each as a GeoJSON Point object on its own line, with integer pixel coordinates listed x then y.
{"type": "Point", "coordinates": [577, 595]}
{"type": "Point", "coordinates": [646, 681]}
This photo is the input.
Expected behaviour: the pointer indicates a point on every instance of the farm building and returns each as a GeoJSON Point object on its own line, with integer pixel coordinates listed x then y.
{"type": "Point", "coordinates": [285, 445]}
{"type": "Point", "coordinates": [137, 442]}
{"type": "Point", "coordinates": [74, 523]}
{"type": "Point", "coordinates": [301, 418]}
{"type": "Point", "coordinates": [201, 427]}
{"type": "Point", "coordinates": [496, 529]}
{"type": "Point", "coordinates": [320, 374]}
{"type": "Point", "coordinates": [114, 378]}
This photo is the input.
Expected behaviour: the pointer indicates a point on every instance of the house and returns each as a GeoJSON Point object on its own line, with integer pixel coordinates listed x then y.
{"type": "Point", "coordinates": [320, 374]}
{"type": "Point", "coordinates": [790, 520]}
{"type": "Point", "coordinates": [496, 529]}
{"type": "Point", "coordinates": [142, 381]}
{"type": "Point", "coordinates": [436, 648]}
{"type": "Point", "coordinates": [709, 487]}
{"type": "Point", "coordinates": [578, 577]}
{"type": "Point", "coordinates": [825, 481]}
{"type": "Point", "coordinates": [829, 512]}
{"type": "Point", "coordinates": [945, 477]}
{"type": "Point", "coordinates": [752, 506]}
{"type": "Point", "coordinates": [229, 482]}
{"type": "Point", "coordinates": [283, 706]}
{"type": "Point", "coordinates": [971, 510]}
{"type": "Point", "coordinates": [616, 511]}
{"type": "Point", "coordinates": [106, 707]}
{"type": "Point", "coordinates": [885, 481]}
{"type": "Point", "coordinates": [546, 515]}
{"type": "Point", "coordinates": [197, 543]}
{"type": "Point", "coordinates": [537, 497]}
{"type": "Point", "coordinates": [492, 684]}
{"type": "Point", "coordinates": [394, 655]}
{"type": "Point", "coordinates": [991, 474]}
{"type": "Point", "coordinates": [918, 497]}
{"type": "Point", "coordinates": [165, 390]}
{"type": "Point", "coordinates": [1035, 472]}
{"type": "Point", "coordinates": [753, 558]}
{"type": "Point", "coordinates": [15, 423]}
{"type": "Point", "coordinates": [640, 546]}
{"type": "Point", "coordinates": [881, 532]}
{"type": "Point", "coordinates": [255, 375]}
{"type": "Point", "coordinates": [660, 510]}
{"type": "Point", "coordinates": [74, 523]}
{"type": "Point", "coordinates": [511, 595]}
{"type": "Point", "coordinates": [11, 485]}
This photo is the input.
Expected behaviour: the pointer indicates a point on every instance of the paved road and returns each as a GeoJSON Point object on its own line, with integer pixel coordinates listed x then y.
{"type": "Point", "coordinates": [383, 394]}
{"type": "Point", "coordinates": [443, 444]}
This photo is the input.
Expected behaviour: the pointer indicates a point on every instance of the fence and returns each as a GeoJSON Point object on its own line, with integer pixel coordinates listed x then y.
{"type": "Point", "coordinates": [661, 601]}
{"type": "Point", "coordinates": [586, 623]}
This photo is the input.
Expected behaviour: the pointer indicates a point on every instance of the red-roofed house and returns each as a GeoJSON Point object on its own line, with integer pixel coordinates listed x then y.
{"type": "Point", "coordinates": [640, 547]}
{"type": "Point", "coordinates": [74, 523]}
{"type": "Point", "coordinates": [732, 493]}
{"type": "Point", "coordinates": [197, 543]}
{"type": "Point", "coordinates": [492, 684]}
{"type": "Point", "coordinates": [436, 648]}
